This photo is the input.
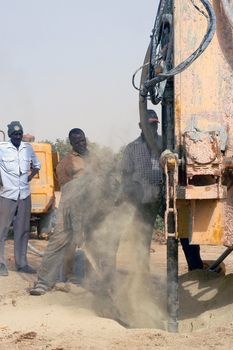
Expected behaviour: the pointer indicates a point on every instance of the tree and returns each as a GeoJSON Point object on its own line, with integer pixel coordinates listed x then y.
{"type": "Point", "coordinates": [61, 146]}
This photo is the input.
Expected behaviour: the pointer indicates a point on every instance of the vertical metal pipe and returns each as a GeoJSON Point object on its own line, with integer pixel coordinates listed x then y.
{"type": "Point", "coordinates": [172, 242]}
{"type": "Point", "coordinates": [168, 143]}
{"type": "Point", "coordinates": [172, 284]}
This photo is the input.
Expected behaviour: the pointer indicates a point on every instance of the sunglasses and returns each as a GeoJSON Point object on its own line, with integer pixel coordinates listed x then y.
{"type": "Point", "coordinates": [19, 133]}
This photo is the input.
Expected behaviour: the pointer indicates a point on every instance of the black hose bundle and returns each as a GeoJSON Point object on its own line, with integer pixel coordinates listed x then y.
{"type": "Point", "coordinates": [154, 78]}
{"type": "Point", "coordinates": [211, 27]}
{"type": "Point", "coordinates": [153, 81]}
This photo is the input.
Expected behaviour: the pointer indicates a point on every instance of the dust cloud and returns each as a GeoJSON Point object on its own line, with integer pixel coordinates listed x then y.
{"type": "Point", "coordinates": [103, 230]}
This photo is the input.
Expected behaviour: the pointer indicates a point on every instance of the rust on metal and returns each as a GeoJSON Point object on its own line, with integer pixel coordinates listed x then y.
{"type": "Point", "coordinates": [204, 89]}
{"type": "Point", "coordinates": [207, 222]}
{"type": "Point", "coordinates": [203, 122]}
{"type": "Point", "coordinates": [184, 217]}
{"type": "Point", "coordinates": [201, 192]}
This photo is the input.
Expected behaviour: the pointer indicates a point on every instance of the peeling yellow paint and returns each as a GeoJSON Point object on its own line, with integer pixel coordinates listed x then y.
{"type": "Point", "coordinates": [204, 92]}
{"type": "Point", "coordinates": [42, 185]}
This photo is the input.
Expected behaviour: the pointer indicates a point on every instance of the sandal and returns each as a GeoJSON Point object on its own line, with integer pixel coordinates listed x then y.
{"type": "Point", "coordinates": [38, 290]}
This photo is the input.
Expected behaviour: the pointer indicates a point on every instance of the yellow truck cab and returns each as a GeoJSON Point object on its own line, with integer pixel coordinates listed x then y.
{"type": "Point", "coordinates": [42, 185]}
{"type": "Point", "coordinates": [44, 189]}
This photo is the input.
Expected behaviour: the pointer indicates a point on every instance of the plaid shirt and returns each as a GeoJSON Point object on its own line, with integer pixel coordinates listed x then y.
{"type": "Point", "coordinates": [142, 174]}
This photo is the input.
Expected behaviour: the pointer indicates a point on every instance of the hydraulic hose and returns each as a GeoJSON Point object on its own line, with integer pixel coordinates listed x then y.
{"type": "Point", "coordinates": [204, 43]}
{"type": "Point", "coordinates": [152, 142]}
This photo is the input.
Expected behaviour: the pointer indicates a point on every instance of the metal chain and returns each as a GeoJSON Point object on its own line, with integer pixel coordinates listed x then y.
{"type": "Point", "coordinates": [171, 185]}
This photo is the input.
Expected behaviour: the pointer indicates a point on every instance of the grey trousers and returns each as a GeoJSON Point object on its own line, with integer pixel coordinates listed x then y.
{"type": "Point", "coordinates": [61, 245]}
{"type": "Point", "coordinates": [19, 213]}
{"type": "Point", "coordinates": [73, 221]}
{"type": "Point", "coordinates": [145, 217]}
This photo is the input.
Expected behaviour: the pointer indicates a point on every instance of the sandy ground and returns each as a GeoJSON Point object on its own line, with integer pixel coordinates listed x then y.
{"type": "Point", "coordinates": [71, 317]}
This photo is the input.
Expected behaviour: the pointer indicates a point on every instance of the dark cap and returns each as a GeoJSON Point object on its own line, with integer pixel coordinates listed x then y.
{"type": "Point", "coordinates": [151, 116]}
{"type": "Point", "coordinates": [76, 131]}
{"type": "Point", "coordinates": [14, 126]}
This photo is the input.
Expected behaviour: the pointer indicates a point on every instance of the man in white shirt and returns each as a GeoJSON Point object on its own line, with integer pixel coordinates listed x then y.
{"type": "Point", "coordinates": [18, 165]}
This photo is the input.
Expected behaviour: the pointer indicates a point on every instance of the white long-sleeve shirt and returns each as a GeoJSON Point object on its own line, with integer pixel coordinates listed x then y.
{"type": "Point", "coordinates": [15, 166]}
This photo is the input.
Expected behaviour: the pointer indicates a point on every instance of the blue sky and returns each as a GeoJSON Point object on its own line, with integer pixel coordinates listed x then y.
{"type": "Point", "coordinates": [66, 64]}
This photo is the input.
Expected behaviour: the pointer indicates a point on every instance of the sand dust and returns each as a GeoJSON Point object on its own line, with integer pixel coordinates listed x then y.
{"type": "Point", "coordinates": [71, 317]}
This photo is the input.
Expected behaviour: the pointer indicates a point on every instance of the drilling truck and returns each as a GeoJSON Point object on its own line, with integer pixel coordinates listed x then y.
{"type": "Point", "coordinates": [188, 69]}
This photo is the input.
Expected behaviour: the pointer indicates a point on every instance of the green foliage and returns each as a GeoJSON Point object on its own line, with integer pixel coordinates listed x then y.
{"type": "Point", "coordinates": [159, 224]}
{"type": "Point", "coordinates": [108, 160]}
{"type": "Point", "coordinates": [61, 146]}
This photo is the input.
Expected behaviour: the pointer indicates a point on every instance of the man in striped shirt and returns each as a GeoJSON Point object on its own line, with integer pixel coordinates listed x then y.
{"type": "Point", "coordinates": [142, 179]}
{"type": "Point", "coordinates": [141, 184]}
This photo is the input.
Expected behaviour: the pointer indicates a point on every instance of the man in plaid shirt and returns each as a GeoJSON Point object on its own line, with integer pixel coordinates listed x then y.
{"type": "Point", "coordinates": [142, 174]}
{"type": "Point", "coordinates": [142, 185]}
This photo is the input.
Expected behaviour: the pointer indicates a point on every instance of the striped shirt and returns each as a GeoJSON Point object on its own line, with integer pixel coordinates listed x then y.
{"type": "Point", "coordinates": [142, 174]}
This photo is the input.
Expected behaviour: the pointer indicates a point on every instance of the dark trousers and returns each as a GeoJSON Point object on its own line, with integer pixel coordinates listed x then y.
{"type": "Point", "coordinates": [148, 213]}
{"type": "Point", "coordinates": [192, 254]}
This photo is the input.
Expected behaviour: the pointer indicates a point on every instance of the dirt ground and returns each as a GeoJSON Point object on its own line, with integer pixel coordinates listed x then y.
{"type": "Point", "coordinates": [71, 317]}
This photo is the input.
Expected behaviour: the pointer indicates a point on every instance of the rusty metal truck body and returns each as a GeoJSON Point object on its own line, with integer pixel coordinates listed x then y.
{"type": "Point", "coordinates": [189, 69]}
{"type": "Point", "coordinates": [203, 120]}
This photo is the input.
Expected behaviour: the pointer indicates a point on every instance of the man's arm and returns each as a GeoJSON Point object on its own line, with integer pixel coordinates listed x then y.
{"type": "Point", "coordinates": [33, 173]}
{"type": "Point", "coordinates": [61, 174]}
{"type": "Point", "coordinates": [35, 165]}
{"type": "Point", "coordinates": [1, 183]}
{"type": "Point", "coordinates": [126, 169]}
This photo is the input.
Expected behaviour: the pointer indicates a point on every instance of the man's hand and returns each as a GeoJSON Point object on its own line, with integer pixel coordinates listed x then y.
{"type": "Point", "coordinates": [29, 178]}
{"type": "Point", "coordinates": [33, 173]}
{"type": "Point", "coordinates": [166, 156]}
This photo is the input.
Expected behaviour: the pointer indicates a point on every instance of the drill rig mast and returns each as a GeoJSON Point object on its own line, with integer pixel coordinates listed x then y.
{"type": "Point", "coordinates": [188, 67]}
